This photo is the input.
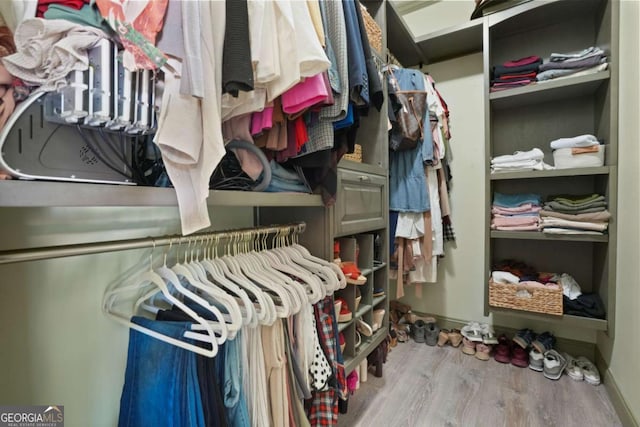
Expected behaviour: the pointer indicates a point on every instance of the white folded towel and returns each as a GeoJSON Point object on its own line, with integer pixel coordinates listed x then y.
{"type": "Point", "coordinates": [518, 156]}
{"type": "Point", "coordinates": [576, 141]}
{"type": "Point", "coordinates": [504, 277]}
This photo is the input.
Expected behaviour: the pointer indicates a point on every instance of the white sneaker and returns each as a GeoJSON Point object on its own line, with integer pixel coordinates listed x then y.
{"type": "Point", "coordinates": [589, 370]}
{"type": "Point", "coordinates": [536, 360]}
{"type": "Point", "coordinates": [573, 370]}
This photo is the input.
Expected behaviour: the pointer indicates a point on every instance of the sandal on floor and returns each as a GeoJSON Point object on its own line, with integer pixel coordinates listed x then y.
{"type": "Point", "coordinates": [488, 336]}
{"type": "Point", "coordinates": [472, 331]}
{"type": "Point", "coordinates": [352, 273]}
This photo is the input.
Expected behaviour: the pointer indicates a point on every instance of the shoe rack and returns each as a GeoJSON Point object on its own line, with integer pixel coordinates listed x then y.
{"type": "Point", "coordinates": [362, 250]}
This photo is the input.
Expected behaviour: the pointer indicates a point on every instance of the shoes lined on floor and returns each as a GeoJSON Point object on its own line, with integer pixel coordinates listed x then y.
{"type": "Point", "coordinates": [453, 337]}
{"type": "Point", "coordinates": [581, 368]}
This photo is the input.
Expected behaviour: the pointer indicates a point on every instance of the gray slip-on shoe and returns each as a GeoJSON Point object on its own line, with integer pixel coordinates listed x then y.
{"type": "Point", "coordinates": [554, 364]}
{"type": "Point", "coordinates": [431, 334]}
{"type": "Point", "coordinates": [418, 331]}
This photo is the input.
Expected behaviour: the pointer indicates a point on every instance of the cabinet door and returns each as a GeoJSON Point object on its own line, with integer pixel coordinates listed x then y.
{"type": "Point", "coordinates": [361, 202]}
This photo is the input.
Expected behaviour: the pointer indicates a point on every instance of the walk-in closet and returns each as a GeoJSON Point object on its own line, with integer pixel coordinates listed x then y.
{"type": "Point", "coordinates": [289, 213]}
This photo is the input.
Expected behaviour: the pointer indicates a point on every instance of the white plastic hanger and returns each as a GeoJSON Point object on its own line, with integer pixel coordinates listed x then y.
{"type": "Point", "coordinates": [150, 278]}
{"type": "Point", "coordinates": [172, 279]}
{"type": "Point", "coordinates": [323, 270]}
{"type": "Point", "coordinates": [342, 280]}
{"type": "Point", "coordinates": [264, 307]}
{"type": "Point", "coordinates": [295, 290]}
{"type": "Point", "coordinates": [251, 269]}
{"type": "Point", "coordinates": [249, 314]}
{"type": "Point", "coordinates": [280, 261]}
{"type": "Point", "coordinates": [234, 318]}
{"type": "Point", "coordinates": [219, 295]}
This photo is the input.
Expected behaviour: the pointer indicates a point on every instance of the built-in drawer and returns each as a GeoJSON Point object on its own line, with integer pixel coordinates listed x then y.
{"type": "Point", "coordinates": [361, 202]}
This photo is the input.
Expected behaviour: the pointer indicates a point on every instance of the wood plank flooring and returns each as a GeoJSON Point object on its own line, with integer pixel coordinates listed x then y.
{"type": "Point", "coordinates": [432, 386]}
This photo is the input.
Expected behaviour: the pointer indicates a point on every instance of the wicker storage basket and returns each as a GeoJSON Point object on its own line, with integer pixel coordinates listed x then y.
{"type": "Point", "coordinates": [356, 156]}
{"type": "Point", "coordinates": [374, 33]}
{"type": "Point", "coordinates": [525, 297]}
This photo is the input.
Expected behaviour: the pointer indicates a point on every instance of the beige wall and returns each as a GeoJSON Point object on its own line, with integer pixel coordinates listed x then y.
{"type": "Point", "coordinates": [57, 347]}
{"type": "Point", "coordinates": [622, 353]}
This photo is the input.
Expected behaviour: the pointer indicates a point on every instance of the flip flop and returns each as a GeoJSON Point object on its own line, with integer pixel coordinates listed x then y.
{"type": "Point", "coordinates": [472, 331]}
{"type": "Point", "coordinates": [488, 335]}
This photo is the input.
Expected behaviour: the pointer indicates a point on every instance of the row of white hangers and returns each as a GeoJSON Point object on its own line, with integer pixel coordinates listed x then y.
{"type": "Point", "coordinates": [246, 286]}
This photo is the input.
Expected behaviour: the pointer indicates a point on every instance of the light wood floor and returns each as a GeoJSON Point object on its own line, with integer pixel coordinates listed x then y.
{"type": "Point", "coordinates": [426, 386]}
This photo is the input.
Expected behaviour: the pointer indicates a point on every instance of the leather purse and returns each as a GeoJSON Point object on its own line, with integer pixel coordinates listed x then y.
{"type": "Point", "coordinates": [409, 127]}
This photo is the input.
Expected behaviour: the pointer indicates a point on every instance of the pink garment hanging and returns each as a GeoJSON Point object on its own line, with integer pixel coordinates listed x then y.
{"type": "Point", "coordinates": [305, 94]}
{"type": "Point", "coordinates": [261, 121]}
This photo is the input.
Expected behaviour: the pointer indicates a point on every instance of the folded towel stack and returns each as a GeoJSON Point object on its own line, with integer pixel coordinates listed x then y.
{"type": "Point", "coordinates": [515, 212]}
{"type": "Point", "coordinates": [571, 214]}
{"type": "Point", "coordinates": [588, 61]}
{"type": "Point", "coordinates": [516, 73]}
{"type": "Point", "coordinates": [580, 151]}
{"type": "Point", "coordinates": [519, 161]}
{"type": "Point", "coordinates": [580, 141]}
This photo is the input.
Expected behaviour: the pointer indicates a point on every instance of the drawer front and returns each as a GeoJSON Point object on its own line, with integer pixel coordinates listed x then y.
{"type": "Point", "coordinates": [361, 202]}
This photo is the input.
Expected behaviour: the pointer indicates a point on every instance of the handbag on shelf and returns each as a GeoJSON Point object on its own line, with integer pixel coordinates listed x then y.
{"type": "Point", "coordinates": [409, 118]}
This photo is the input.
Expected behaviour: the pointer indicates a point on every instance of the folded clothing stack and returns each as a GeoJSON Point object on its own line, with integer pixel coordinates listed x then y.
{"type": "Point", "coordinates": [516, 73]}
{"type": "Point", "coordinates": [577, 152]}
{"type": "Point", "coordinates": [515, 212]}
{"type": "Point", "coordinates": [588, 61]}
{"type": "Point", "coordinates": [519, 161]}
{"type": "Point", "coordinates": [575, 302]}
{"type": "Point", "coordinates": [517, 272]}
{"type": "Point", "coordinates": [571, 214]}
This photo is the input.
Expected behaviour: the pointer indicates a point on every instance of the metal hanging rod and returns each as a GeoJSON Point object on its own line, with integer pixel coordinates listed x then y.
{"type": "Point", "coordinates": [50, 252]}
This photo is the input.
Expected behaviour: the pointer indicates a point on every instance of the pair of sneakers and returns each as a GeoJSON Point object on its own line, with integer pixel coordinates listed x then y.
{"type": "Point", "coordinates": [551, 363]}
{"type": "Point", "coordinates": [581, 368]}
